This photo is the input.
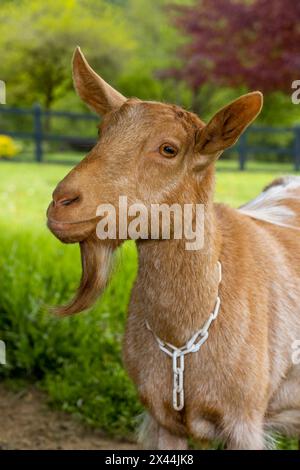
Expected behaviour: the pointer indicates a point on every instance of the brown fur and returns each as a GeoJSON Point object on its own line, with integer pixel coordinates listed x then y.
{"type": "Point", "coordinates": [243, 379]}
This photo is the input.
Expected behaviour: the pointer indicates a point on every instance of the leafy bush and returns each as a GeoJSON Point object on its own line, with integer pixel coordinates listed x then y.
{"type": "Point", "coordinates": [8, 147]}
{"type": "Point", "coordinates": [77, 359]}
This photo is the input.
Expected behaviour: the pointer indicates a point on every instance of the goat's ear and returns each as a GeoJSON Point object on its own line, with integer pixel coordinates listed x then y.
{"type": "Point", "coordinates": [92, 89]}
{"type": "Point", "coordinates": [224, 129]}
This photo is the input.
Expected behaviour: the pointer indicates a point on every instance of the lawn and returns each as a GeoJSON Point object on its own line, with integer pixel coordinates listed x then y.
{"type": "Point", "coordinates": [78, 359]}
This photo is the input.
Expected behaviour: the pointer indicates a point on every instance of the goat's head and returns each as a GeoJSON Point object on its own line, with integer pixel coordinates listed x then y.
{"type": "Point", "coordinates": [147, 151]}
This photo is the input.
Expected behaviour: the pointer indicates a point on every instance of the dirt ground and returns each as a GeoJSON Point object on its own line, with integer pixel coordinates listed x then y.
{"type": "Point", "coordinates": [28, 423]}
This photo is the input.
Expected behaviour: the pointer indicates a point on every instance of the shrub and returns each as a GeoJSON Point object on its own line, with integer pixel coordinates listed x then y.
{"type": "Point", "coordinates": [8, 147]}
{"type": "Point", "coordinates": [76, 359]}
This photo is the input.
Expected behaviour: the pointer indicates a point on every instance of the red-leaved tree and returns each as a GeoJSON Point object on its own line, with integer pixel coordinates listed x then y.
{"type": "Point", "coordinates": [234, 42]}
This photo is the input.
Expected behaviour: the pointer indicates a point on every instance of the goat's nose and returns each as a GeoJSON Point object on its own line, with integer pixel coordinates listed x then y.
{"type": "Point", "coordinates": [66, 200]}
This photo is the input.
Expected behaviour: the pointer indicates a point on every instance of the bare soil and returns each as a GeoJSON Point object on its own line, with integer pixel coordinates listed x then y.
{"type": "Point", "coordinates": [27, 422]}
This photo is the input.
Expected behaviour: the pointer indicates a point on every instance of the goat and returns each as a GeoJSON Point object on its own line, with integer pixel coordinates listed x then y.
{"type": "Point", "coordinates": [243, 382]}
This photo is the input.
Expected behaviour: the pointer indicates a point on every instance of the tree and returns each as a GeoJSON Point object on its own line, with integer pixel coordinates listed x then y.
{"type": "Point", "coordinates": [157, 42]}
{"type": "Point", "coordinates": [37, 40]}
{"type": "Point", "coordinates": [240, 43]}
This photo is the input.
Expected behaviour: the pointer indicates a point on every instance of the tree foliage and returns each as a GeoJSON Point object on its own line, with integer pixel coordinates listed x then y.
{"type": "Point", "coordinates": [127, 41]}
{"type": "Point", "coordinates": [233, 42]}
{"type": "Point", "coordinates": [37, 40]}
{"type": "Point", "coordinates": [197, 53]}
{"type": "Point", "coordinates": [157, 42]}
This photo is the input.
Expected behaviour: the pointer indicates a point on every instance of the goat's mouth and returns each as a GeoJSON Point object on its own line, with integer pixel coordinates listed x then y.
{"type": "Point", "coordinates": [73, 231]}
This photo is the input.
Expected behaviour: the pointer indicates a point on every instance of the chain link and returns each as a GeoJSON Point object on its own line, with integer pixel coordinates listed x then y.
{"type": "Point", "coordinates": [178, 370]}
{"type": "Point", "coordinates": [178, 354]}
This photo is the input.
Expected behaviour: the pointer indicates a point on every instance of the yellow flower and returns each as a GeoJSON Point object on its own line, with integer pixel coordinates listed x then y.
{"type": "Point", "coordinates": [8, 148]}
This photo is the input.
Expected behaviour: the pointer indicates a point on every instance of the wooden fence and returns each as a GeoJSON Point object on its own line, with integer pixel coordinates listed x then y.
{"type": "Point", "coordinates": [37, 133]}
{"type": "Point", "coordinates": [245, 147]}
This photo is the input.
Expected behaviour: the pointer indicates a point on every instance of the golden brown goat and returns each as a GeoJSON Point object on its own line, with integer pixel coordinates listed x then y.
{"type": "Point", "coordinates": [243, 381]}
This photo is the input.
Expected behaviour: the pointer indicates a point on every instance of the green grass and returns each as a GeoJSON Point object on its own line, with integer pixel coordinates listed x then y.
{"type": "Point", "coordinates": [78, 359]}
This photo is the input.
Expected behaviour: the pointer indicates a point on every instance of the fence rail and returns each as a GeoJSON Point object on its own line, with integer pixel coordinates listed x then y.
{"type": "Point", "coordinates": [38, 134]}
{"type": "Point", "coordinates": [244, 147]}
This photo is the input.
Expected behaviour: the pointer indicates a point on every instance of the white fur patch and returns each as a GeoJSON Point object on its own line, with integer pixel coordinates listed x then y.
{"type": "Point", "coordinates": [286, 422]}
{"type": "Point", "coordinates": [147, 431]}
{"type": "Point", "coordinates": [269, 205]}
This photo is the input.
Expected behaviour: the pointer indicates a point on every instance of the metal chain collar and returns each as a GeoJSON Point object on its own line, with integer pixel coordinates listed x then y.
{"type": "Point", "coordinates": [193, 345]}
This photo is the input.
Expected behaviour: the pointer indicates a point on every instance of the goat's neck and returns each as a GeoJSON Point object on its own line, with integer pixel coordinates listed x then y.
{"type": "Point", "coordinates": [180, 287]}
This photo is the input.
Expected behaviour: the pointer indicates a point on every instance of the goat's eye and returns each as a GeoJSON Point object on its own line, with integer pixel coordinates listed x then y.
{"type": "Point", "coordinates": [168, 151]}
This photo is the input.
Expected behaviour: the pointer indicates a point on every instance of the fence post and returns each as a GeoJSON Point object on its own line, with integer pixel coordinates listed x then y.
{"type": "Point", "coordinates": [297, 148]}
{"type": "Point", "coordinates": [243, 151]}
{"type": "Point", "coordinates": [38, 132]}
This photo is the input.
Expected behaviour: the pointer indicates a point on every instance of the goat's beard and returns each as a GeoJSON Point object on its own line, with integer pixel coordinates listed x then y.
{"type": "Point", "coordinates": [96, 262]}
